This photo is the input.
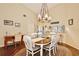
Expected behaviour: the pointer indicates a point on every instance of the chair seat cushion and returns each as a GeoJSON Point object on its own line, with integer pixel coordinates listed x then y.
{"type": "Point", "coordinates": [36, 48]}
{"type": "Point", "coordinates": [48, 47]}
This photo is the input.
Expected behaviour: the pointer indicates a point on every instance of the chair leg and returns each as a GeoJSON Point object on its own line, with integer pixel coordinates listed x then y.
{"type": "Point", "coordinates": [27, 52]}
{"type": "Point", "coordinates": [53, 52]}
{"type": "Point", "coordinates": [56, 50]}
{"type": "Point", "coordinates": [32, 53]}
{"type": "Point", "coordinates": [49, 52]}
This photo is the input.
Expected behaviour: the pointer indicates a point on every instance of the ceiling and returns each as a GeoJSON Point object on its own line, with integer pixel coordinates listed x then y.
{"type": "Point", "coordinates": [35, 7]}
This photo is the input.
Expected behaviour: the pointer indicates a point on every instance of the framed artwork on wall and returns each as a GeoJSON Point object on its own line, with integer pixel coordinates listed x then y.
{"type": "Point", "coordinates": [70, 21]}
{"type": "Point", "coordinates": [57, 22]}
{"type": "Point", "coordinates": [17, 24]}
{"type": "Point", "coordinates": [8, 22]}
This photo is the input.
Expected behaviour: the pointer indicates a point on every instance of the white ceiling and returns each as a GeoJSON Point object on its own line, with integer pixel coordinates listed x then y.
{"type": "Point", "coordinates": [35, 7]}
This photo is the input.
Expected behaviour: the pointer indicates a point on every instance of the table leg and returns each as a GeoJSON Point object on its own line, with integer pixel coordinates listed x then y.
{"type": "Point", "coordinates": [41, 52]}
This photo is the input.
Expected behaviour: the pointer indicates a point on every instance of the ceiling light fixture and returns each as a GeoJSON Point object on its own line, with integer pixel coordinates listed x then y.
{"type": "Point", "coordinates": [44, 14]}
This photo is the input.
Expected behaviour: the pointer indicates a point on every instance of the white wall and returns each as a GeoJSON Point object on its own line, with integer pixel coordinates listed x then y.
{"type": "Point", "coordinates": [15, 13]}
{"type": "Point", "coordinates": [64, 12]}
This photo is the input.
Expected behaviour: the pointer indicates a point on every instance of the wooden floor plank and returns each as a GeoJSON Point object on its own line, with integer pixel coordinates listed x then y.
{"type": "Point", "coordinates": [11, 50]}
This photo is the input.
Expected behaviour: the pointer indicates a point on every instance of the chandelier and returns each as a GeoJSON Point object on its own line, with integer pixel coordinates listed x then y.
{"type": "Point", "coordinates": [44, 14]}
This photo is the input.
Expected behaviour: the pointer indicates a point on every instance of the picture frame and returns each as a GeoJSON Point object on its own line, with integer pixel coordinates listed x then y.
{"type": "Point", "coordinates": [17, 24]}
{"type": "Point", "coordinates": [70, 21]}
{"type": "Point", "coordinates": [57, 22]}
{"type": "Point", "coordinates": [8, 22]}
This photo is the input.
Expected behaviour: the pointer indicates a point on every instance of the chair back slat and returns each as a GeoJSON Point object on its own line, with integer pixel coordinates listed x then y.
{"type": "Point", "coordinates": [28, 42]}
{"type": "Point", "coordinates": [54, 40]}
{"type": "Point", "coordinates": [40, 34]}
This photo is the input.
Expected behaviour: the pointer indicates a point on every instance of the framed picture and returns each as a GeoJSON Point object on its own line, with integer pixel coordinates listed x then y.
{"type": "Point", "coordinates": [8, 22]}
{"type": "Point", "coordinates": [70, 21]}
{"type": "Point", "coordinates": [57, 22]}
{"type": "Point", "coordinates": [17, 24]}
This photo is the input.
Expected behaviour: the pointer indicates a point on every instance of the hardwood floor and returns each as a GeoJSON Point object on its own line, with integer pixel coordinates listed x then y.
{"type": "Point", "coordinates": [75, 52]}
{"type": "Point", "coordinates": [11, 50]}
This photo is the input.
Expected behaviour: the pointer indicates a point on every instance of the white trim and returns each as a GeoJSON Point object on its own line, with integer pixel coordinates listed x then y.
{"type": "Point", "coordinates": [71, 45]}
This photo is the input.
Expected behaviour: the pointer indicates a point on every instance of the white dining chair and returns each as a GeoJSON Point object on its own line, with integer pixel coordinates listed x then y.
{"type": "Point", "coordinates": [39, 34]}
{"type": "Point", "coordinates": [52, 45]}
{"type": "Point", "coordinates": [36, 35]}
{"type": "Point", "coordinates": [30, 46]}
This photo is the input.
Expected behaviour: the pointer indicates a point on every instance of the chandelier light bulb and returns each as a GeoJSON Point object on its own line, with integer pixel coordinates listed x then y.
{"type": "Point", "coordinates": [39, 16]}
{"type": "Point", "coordinates": [46, 16]}
{"type": "Point", "coordinates": [49, 18]}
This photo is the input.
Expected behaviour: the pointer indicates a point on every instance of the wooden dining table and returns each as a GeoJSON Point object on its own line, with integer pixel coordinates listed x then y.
{"type": "Point", "coordinates": [41, 42]}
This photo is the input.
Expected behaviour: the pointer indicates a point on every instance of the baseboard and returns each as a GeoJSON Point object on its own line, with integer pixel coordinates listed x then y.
{"type": "Point", "coordinates": [67, 45]}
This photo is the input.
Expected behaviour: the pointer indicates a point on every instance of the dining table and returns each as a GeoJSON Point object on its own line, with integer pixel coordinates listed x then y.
{"type": "Point", "coordinates": [41, 42]}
